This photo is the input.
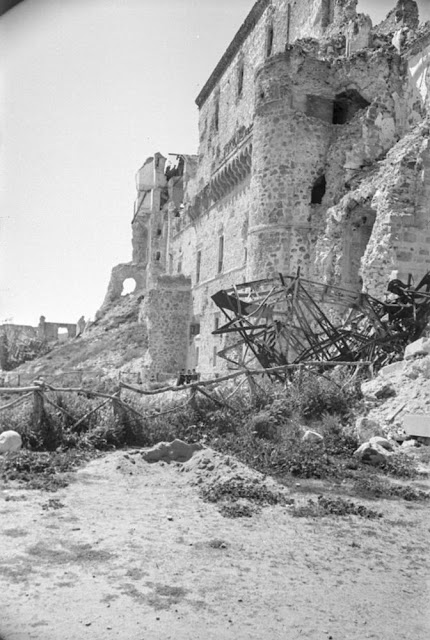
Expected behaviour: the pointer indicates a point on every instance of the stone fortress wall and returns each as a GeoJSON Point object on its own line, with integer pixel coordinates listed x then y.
{"type": "Point", "coordinates": [313, 153]}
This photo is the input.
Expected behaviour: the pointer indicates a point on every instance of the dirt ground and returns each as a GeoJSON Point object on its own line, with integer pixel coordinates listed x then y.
{"type": "Point", "coordinates": [129, 551]}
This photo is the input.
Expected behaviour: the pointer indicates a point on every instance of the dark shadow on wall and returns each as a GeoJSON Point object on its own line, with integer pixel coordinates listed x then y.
{"type": "Point", "coordinates": [5, 5]}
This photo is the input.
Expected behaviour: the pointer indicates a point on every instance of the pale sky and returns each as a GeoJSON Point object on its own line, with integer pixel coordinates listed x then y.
{"type": "Point", "coordinates": [90, 89]}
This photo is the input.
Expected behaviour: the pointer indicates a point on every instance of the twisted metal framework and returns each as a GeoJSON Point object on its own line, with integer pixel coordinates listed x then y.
{"type": "Point", "coordinates": [289, 320]}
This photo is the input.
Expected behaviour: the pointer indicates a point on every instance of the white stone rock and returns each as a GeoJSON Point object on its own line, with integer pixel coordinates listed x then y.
{"type": "Point", "coordinates": [10, 441]}
{"type": "Point", "coordinates": [312, 436]}
{"type": "Point", "coordinates": [177, 450]}
{"type": "Point", "coordinates": [372, 454]}
{"type": "Point", "coordinates": [389, 445]}
{"type": "Point", "coordinates": [418, 348]}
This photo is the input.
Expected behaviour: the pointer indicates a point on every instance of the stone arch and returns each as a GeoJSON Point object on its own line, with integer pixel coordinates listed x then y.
{"type": "Point", "coordinates": [119, 275]}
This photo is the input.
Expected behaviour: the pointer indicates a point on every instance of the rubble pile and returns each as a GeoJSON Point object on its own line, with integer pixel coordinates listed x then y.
{"type": "Point", "coordinates": [399, 389]}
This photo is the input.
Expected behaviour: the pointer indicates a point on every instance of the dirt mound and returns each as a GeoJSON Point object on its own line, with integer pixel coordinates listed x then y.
{"type": "Point", "coordinates": [238, 489]}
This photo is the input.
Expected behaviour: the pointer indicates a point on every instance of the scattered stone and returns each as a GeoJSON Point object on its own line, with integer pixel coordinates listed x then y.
{"type": "Point", "coordinates": [420, 347]}
{"type": "Point", "coordinates": [386, 391]}
{"type": "Point", "coordinates": [312, 436]}
{"type": "Point", "coordinates": [10, 441]}
{"type": "Point", "coordinates": [409, 444]}
{"type": "Point", "coordinates": [372, 454]}
{"type": "Point", "coordinates": [177, 450]}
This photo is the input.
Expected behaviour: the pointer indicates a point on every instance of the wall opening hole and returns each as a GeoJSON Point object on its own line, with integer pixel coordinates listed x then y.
{"type": "Point", "coordinates": [62, 334]}
{"type": "Point", "coordinates": [318, 190]}
{"type": "Point", "coordinates": [269, 41]}
{"type": "Point", "coordinates": [159, 232]}
{"type": "Point", "coordinates": [158, 256]}
{"type": "Point", "coordinates": [346, 105]}
{"type": "Point", "coordinates": [128, 286]}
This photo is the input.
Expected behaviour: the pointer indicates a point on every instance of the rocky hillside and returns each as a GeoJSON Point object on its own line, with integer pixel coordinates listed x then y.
{"type": "Point", "coordinates": [113, 343]}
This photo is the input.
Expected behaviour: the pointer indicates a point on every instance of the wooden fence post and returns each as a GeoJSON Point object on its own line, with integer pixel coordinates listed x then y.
{"type": "Point", "coordinates": [37, 410]}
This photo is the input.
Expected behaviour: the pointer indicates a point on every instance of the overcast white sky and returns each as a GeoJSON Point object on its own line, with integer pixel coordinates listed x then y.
{"type": "Point", "coordinates": [90, 89]}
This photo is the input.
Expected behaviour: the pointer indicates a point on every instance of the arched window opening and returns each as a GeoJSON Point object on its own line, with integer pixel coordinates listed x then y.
{"type": "Point", "coordinates": [128, 286]}
{"type": "Point", "coordinates": [318, 190]}
{"type": "Point", "coordinates": [346, 105]}
{"type": "Point", "coordinates": [269, 41]}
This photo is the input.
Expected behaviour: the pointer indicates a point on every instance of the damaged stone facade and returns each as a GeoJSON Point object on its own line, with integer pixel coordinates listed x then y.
{"type": "Point", "coordinates": [313, 154]}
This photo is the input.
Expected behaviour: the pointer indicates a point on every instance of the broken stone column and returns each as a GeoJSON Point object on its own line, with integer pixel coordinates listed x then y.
{"type": "Point", "coordinates": [166, 312]}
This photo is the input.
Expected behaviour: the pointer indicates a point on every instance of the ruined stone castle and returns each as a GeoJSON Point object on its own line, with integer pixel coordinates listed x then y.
{"type": "Point", "coordinates": [313, 154]}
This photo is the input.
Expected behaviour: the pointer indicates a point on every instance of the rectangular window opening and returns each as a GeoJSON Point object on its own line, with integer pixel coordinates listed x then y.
{"type": "Point", "coordinates": [240, 74]}
{"type": "Point", "coordinates": [220, 254]}
{"type": "Point", "coordinates": [198, 265]}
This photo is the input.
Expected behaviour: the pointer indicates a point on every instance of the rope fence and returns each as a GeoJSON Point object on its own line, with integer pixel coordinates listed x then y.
{"type": "Point", "coordinates": [39, 391]}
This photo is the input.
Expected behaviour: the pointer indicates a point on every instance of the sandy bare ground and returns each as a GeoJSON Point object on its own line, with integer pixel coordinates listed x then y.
{"type": "Point", "coordinates": [135, 554]}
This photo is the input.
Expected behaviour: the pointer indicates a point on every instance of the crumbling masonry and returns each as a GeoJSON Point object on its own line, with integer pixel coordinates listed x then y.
{"type": "Point", "coordinates": [314, 153]}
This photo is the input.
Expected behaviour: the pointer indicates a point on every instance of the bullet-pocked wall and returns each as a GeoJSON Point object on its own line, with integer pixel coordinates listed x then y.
{"type": "Point", "coordinates": [290, 149]}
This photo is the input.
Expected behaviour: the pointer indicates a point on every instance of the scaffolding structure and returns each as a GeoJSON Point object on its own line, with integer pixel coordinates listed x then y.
{"type": "Point", "coordinates": [291, 320]}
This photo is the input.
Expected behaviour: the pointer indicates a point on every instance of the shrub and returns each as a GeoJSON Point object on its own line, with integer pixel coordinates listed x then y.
{"type": "Point", "coordinates": [400, 465]}
{"type": "Point", "coordinates": [40, 470]}
{"type": "Point", "coordinates": [338, 440]}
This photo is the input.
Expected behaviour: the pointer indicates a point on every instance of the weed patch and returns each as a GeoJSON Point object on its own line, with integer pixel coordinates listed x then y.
{"type": "Point", "coordinates": [324, 506]}
{"type": "Point", "coordinates": [377, 488]}
{"type": "Point", "coordinates": [37, 470]}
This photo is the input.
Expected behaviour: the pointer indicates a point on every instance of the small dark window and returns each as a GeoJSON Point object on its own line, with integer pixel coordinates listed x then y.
{"type": "Point", "coordinates": [159, 231]}
{"type": "Point", "coordinates": [318, 190]}
{"type": "Point", "coordinates": [216, 116]}
{"type": "Point", "coordinates": [158, 256]}
{"type": "Point", "coordinates": [216, 322]}
{"type": "Point", "coordinates": [215, 353]}
{"type": "Point", "coordinates": [220, 253]}
{"type": "Point", "coordinates": [240, 73]}
{"type": "Point", "coordinates": [198, 265]}
{"type": "Point", "coordinates": [180, 265]}
{"type": "Point", "coordinates": [269, 41]}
